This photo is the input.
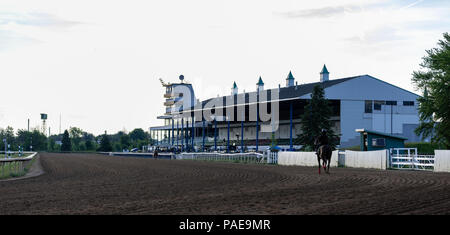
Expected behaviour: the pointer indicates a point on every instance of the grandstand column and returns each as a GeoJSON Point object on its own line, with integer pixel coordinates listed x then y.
{"type": "Point", "coordinates": [215, 134]}
{"type": "Point", "coordinates": [193, 134]}
{"type": "Point", "coordinates": [182, 134]}
{"type": "Point", "coordinates": [173, 134]}
{"type": "Point", "coordinates": [168, 136]}
{"type": "Point", "coordinates": [228, 136]}
{"type": "Point", "coordinates": [178, 132]}
{"type": "Point", "coordinates": [242, 135]}
{"type": "Point", "coordinates": [186, 136]}
{"type": "Point", "coordinates": [257, 123]}
{"type": "Point", "coordinates": [290, 126]}
{"type": "Point", "coordinates": [203, 136]}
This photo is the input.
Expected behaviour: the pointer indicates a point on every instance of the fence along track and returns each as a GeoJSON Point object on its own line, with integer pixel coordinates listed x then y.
{"type": "Point", "coordinates": [408, 159]}
{"type": "Point", "coordinates": [14, 166]}
{"type": "Point", "coordinates": [412, 162]}
{"type": "Point", "coordinates": [230, 157]}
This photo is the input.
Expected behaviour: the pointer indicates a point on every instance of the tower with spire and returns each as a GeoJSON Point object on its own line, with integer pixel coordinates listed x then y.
{"type": "Point", "coordinates": [324, 74]}
{"type": "Point", "coordinates": [234, 89]}
{"type": "Point", "coordinates": [260, 85]}
{"type": "Point", "coordinates": [290, 80]}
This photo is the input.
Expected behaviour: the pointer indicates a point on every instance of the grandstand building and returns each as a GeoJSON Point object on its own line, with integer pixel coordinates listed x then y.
{"type": "Point", "coordinates": [359, 102]}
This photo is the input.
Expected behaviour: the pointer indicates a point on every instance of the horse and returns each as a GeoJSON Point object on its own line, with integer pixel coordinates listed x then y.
{"type": "Point", "coordinates": [324, 153]}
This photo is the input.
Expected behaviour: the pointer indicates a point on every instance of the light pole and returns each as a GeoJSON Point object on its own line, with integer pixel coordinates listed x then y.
{"type": "Point", "coordinates": [4, 141]}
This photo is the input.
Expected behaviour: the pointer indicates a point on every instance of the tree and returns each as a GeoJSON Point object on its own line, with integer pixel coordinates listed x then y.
{"type": "Point", "coordinates": [89, 145]}
{"type": "Point", "coordinates": [316, 117]}
{"type": "Point", "coordinates": [75, 135]}
{"type": "Point", "coordinates": [105, 145]}
{"type": "Point", "coordinates": [39, 140]}
{"type": "Point", "coordinates": [24, 139]}
{"type": "Point", "coordinates": [51, 145]}
{"type": "Point", "coordinates": [125, 141]}
{"type": "Point", "coordinates": [138, 134]}
{"type": "Point", "coordinates": [7, 134]}
{"type": "Point", "coordinates": [434, 80]}
{"type": "Point", "coordinates": [66, 143]}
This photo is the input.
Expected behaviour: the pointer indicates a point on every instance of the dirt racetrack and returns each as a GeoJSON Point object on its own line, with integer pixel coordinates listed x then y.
{"type": "Point", "coordinates": [98, 184]}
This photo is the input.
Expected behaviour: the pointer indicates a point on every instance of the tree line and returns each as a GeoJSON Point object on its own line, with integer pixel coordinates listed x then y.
{"type": "Point", "coordinates": [74, 139]}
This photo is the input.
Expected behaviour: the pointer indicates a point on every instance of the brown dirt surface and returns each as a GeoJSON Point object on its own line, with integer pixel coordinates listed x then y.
{"type": "Point", "coordinates": [99, 184]}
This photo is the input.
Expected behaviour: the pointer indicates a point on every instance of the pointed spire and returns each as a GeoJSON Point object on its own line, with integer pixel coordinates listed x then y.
{"type": "Point", "coordinates": [234, 89]}
{"type": "Point", "coordinates": [290, 77]}
{"type": "Point", "coordinates": [260, 81]}
{"type": "Point", "coordinates": [324, 70]}
{"type": "Point", "coordinates": [324, 74]}
{"type": "Point", "coordinates": [290, 80]}
{"type": "Point", "coordinates": [260, 85]}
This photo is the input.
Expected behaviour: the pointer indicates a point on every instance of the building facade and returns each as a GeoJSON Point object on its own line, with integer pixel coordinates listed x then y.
{"type": "Point", "coordinates": [359, 102]}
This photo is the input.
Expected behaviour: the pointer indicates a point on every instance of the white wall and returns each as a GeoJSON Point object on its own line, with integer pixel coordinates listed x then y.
{"type": "Point", "coordinates": [442, 160]}
{"type": "Point", "coordinates": [366, 159]}
{"type": "Point", "coordinates": [303, 159]}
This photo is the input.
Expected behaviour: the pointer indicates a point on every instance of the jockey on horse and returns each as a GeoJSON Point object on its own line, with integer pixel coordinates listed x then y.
{"type": "Point", "coordinates": [322, 139]}
{"type": "Point", "coordinates": [323, 150]}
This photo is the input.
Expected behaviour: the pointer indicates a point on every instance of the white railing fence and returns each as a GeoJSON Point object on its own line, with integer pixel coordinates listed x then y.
{"type": "Point", "coordinates": [397, 158]}
{"type": "Point", "coordinates": [228, 157]}
{"type": "Point", "coordinates": [15, 165]}
{"type": "Point", "coordinates": [408, 159]}
{"type": "Point", "coordinates": [272, 157]}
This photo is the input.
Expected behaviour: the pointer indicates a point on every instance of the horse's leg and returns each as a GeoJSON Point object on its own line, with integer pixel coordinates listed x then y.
{"type": "Point", "coordinates": [318, 159]}
{"type": "Point", "coordinates": [328, 167]}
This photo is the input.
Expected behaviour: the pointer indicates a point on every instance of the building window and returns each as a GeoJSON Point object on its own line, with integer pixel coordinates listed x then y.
{"type": "Point", "coordinates": [378, 142]}
{"type": "Point", "coordinates": [368, 106]}
{"type": "Point", "coordinates": [377, 104]}
{"type": "Point", "coordinates": [391, 102]}
{"type": "Point", "coordinates": [408, 103]}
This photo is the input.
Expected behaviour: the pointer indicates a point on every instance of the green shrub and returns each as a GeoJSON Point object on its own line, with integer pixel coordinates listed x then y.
{"type": "Point", "coordinates": [423, 147]}
{"type": "Point", "coordinates": [353, 148]}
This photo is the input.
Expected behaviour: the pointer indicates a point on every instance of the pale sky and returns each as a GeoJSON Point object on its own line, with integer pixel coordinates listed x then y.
{"type": "Point", "coordinates": [97, 63]}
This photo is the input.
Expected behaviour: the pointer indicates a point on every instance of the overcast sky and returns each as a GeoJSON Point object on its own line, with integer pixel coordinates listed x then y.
{"type": "Point", "coordinates": [97, 63]}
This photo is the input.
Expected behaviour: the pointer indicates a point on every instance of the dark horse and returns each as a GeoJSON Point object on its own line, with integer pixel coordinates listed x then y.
{"type": "Point", "coordinates": [324, 152]}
